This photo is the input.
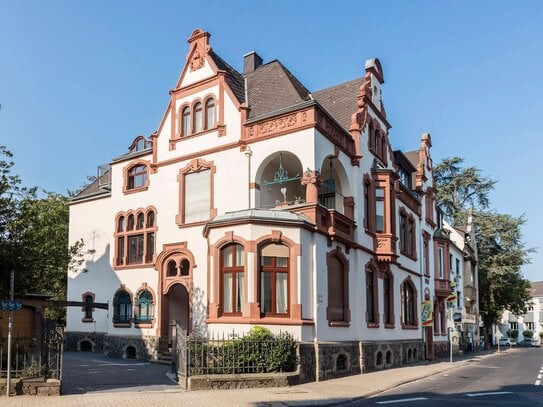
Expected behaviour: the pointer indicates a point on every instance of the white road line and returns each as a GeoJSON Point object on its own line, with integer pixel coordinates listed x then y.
{"type": "Point", "coordinates": [537, 382]}
{"type": "Point", "coordinates": [402, 400]}
{"type": "Point", "coordinates": [539, 375]}
{"type": "Point", "coordinates": [490, 393]}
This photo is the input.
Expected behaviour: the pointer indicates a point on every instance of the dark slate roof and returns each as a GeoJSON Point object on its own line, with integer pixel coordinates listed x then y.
{"type": "Point", "coordinates": [233, 77]}
{"type": "Point", "coordinates": [340, 101]}
{"type": "Point", "coordinates": [537, 288]}
{"type": "Point", "coordinates": [413, 157]}
{"type": "Point", "coordinates": [101, 186]}
{"type": "Point", "coordinates": [271, 88]}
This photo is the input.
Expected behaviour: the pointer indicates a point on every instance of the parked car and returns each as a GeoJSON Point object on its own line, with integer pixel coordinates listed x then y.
{"type": "Point", "coordinates": [535, 343]}
{"type": "Point", "coordinates": [526, 343]}
{"type": "Point", "coordinates": [506, 342]}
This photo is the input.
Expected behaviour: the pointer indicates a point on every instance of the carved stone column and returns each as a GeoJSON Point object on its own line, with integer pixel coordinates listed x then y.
{"type": "Point", "coordinates": [312, 181]}
{"type": "Point", "coordinates": [348, 207]}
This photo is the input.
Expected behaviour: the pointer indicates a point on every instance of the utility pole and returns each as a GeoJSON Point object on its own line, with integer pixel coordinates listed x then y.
{"type": "Point", "coordinates": [10, 329]}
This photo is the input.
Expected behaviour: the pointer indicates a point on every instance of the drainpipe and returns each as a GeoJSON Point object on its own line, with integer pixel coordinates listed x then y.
{"type": "Point", "coordinates": [421, 260]}
{"type": "Point", "coordinates": [248, 153]}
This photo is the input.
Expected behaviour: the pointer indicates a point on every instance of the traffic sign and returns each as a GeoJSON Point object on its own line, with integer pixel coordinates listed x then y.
{"type": "Point", "coordinates": [7, 305]}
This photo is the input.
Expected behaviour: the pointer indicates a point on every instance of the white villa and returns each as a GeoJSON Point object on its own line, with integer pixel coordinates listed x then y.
{"type": "Point", "coordinates": [260, 202]}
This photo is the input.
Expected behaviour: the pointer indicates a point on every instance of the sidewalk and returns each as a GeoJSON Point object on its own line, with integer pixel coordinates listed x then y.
{"type": "Point", "coordinates": [327, 393]}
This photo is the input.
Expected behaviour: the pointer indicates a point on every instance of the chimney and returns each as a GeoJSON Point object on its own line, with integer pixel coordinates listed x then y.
{"type": "Point", "coordinates": [251, 61]}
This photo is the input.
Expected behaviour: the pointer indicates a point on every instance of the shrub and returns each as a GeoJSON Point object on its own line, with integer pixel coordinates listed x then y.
{"type": "Point", "coordinates": [514, 333]}
{"type": "Point", "coordinates": [528, 334]}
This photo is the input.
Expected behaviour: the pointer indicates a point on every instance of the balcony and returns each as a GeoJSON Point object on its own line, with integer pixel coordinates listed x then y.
{"type": "Point", "coordinates": [442, 288]}
{"type": "Point", "coordinates": [468, 318]}
{"type": "Point", "coordinates": [328, 222]}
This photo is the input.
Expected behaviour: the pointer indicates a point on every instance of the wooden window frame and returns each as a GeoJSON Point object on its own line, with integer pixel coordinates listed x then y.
{"type": "Point", "coordinates": [144, 323]}
{"type": "Point", "coordinates": [409, 305]}
{"type": "Point", "coordinates": [372, 302]}
{"type": "Point", "coordinates": [345, 322]}
{"type": "Point", "coordinates": [388, 300]}
{"type": "Point", "coordinates": [234, 270]}
{"type": "Point", "coordinates": [123, 236]}
{"type": "Point", "coordinates": [86, 308]}
{"type": "Point", "coordinates": [207, 123]}
{"type": "Point", "coordinates": [273, 270]}
{"type": "Point", "coordinates": [185, 121]}
{"type": "Point", "coordinates": [137, 168]}
{"type": "Point", "coordinates": [126, 322]}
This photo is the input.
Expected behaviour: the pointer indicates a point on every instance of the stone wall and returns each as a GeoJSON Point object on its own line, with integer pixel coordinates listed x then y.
{"type": "Point", "coordinates": [137, 347]}
{"type": "Point", "coordinates": [306, 362]}
{"type": "Point", "coordinates": [378, 355]}
{"type": "Point", "coordinates": [31, 387]}
{"type": "Point", "coordinates": [337, 359]}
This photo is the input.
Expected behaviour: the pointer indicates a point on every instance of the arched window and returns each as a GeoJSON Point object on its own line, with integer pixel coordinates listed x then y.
{"type": "Point", "coordinates": [120, 224]}
{"type": "Point", "coordinates": [136, 177]}
{"type": "Point", "coordinates": [210, 114]}
{"type": "Point", "coordinates": [388, 299]}
{"type": "Point", "coordinates": [274, 279]}
{"type": "Point", "coordinates": [144, 306]}
{"type": "Point", "coordinates": [372, 312]}
{"type": "Point", "coordinates": [197, 125]}
{"type": "Point", "coordinates": [338, 295]}
{"type": "Point", "coordinates": [130, 225]}
{"type": "Point", "coordinates": [185, 267]}
{"type": "Point", "coordinates": [136, 244]}
{"type": "Point", "coordinates": [185, 121]}
{"type": "Point", "coordinates": [233, 280]}
{"type": "Point", "coordinates": [171, 269]}
{"type": "Point", "coordinates": [140, 222]}
{"type": "Point", "coordinates": [408, 304]}
{"type": "Point", "coordinates": [122, 307]}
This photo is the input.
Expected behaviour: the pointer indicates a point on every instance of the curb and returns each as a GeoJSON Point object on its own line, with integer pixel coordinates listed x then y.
{"type": "Point", "coordinates": [456, 364]}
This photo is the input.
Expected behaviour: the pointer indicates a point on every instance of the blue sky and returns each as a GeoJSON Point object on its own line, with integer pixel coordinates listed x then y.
{"type": "Point", "coordinates": [79, 80]}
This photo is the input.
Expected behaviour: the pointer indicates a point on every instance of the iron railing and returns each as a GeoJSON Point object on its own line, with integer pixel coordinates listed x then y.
{"type": "Point", "coordinates": [233, 354]}
{"type": "Point", "coordinates": [29, 361]}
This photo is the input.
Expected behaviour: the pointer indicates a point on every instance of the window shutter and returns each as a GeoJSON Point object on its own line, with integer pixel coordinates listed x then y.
{"type": "Point", "coordinates": [197, 196]}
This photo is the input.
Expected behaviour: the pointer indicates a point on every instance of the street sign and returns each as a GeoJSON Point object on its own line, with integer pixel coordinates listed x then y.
{"type": "Point", "coordinates": [8, 305]}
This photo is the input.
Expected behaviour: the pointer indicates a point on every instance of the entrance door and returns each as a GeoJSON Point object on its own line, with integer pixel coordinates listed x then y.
{"type": "Point", "coordinates": [178, 308]}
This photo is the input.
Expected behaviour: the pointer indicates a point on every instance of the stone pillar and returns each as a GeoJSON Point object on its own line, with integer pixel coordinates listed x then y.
{"type": "Point", "coordinates": [312, 181]}
{"type": "Point", "coordinates": [348, 207]}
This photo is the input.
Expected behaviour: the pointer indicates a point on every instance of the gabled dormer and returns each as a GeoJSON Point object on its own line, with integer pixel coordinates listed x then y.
{"type": "Point", "coordinates": [205, 90]}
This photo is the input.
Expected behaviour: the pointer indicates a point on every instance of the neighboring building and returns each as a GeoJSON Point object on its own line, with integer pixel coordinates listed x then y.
{"type": "Point", "coordinates": [258, 202]}
{"type": "Point", "coordinates": [531, 321]}
{"type": "Point", "coordinates": [464, 298]}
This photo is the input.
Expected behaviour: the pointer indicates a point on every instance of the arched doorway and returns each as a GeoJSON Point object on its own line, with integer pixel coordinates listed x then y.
{"type": "Point", "coordinates": [176, 308]}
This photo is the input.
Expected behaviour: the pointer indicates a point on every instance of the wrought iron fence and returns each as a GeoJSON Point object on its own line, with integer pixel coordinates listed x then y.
{"type": "Point", "coordinates": [234, 354]}
{"type": "Point", "coordinates": [28, 361]}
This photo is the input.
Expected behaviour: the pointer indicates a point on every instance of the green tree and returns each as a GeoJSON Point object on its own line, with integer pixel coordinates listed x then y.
{"type": "Point", "coordinates": [34, 238]}
{"type": "Point", "coordinates": [501, 251]}
{"type": "Point", "coordinates": [460, 188]}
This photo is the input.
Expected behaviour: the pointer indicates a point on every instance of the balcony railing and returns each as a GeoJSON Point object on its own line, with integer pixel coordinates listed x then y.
{"type": "Point", "coordinates": [328, 221]}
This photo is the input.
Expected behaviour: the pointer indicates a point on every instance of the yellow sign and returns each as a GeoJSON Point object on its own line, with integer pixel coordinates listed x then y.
{"type": "Point", "coordinates": [427, 313]}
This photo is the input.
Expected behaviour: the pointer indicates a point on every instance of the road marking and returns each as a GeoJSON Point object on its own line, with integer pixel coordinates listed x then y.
{"type": "Point", "coordinates": [490, 393]}
{"type": "Point", "coordinates": [537, 382]}
{"type": "Point", "coordinates": [539, 375]}
{"type": "Point", "coordinates": [402, 400]}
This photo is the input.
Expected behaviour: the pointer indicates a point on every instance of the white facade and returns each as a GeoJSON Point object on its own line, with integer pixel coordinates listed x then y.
{"type": "Point", "coordinates": [250, 208]}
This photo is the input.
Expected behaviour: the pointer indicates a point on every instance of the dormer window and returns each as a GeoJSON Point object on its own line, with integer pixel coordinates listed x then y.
{"type": "Point", "coordinates": [405, 178]}
{"type": "Point", "coordinates": [140, 144]}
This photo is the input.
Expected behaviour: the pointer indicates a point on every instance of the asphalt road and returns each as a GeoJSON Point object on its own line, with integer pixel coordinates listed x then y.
{"type": "Point", "coordinates": [513, 379]}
